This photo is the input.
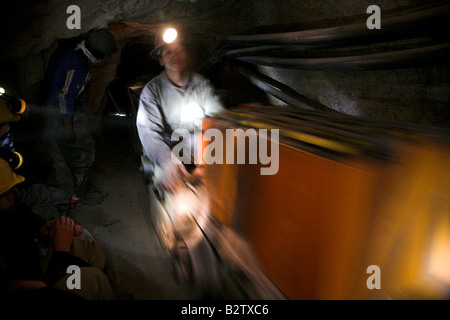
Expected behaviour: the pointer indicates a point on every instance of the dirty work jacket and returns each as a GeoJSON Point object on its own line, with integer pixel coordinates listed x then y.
{"type": "Point", "coordinates": [68, 74]}
{"type": "Point", "coordinates": [164, 107]}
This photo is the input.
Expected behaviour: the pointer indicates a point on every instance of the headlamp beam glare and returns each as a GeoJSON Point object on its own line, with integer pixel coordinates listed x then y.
{"type": "Point", "coordinates": [2, 91]}
{"type": "Point", "coordinates": [170, 35]}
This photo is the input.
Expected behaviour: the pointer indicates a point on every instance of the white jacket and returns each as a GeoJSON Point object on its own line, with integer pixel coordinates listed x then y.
{"type": "Point", "coordinates": [164, 107]}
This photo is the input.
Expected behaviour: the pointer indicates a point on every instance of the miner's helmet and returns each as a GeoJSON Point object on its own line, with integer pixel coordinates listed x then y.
{"type": "Point", "coordinates": [5, 113]}
{"type": "Point", "coordinates": [15, 105]}
{"type": "Point", "coordinates": [166, 35]}
{"type": "Point", "coordinates": [100, 42]}
{"type": "Point", "coordinates": [8, 178]}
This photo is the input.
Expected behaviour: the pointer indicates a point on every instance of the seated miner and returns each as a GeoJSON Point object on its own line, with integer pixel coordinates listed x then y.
{"type": "Point", "coordinates": [67, 134]}
{"type": "Point", "coordinates": [51, 202]}
{"type": "Point", "coordinates": [175, 99]}
{"type": "Point", "coordinates": [41, 255]}
{"type": "Point", "coordinates": [22, 135]}
{"type": "Point", "coordinates": [6, 118]}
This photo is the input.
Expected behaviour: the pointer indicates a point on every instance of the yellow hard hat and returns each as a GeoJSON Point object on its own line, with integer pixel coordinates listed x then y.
{"type": "Point", "coordinates": [6, 115]}
{"type": "Point", "coordinates": [8, 178]}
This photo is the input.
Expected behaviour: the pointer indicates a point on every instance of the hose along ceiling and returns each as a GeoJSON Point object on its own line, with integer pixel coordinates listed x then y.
{"type": "Point", "coordinates": [341, 48]}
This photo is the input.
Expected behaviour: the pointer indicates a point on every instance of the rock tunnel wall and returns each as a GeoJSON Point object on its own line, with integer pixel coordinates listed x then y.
{"type": "Point", "coordinates": [418, 95]}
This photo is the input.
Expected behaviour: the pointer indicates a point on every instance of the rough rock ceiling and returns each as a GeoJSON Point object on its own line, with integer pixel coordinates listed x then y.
{"type": "Point", "coordinates": [31, 30]}
{"type": "Point", "coordinates": [32, 26]}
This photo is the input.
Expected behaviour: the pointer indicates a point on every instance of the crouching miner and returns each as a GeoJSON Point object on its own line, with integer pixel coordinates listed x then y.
{"type": "Point", "coordinates": [35, 255]}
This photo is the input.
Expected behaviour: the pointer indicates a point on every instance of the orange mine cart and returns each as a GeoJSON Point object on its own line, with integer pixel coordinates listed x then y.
{"type": "Point", "coordinates": [357, 209]}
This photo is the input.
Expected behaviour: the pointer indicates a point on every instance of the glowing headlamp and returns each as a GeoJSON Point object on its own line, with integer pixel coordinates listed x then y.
{"type": "Point", "coordinates": [16, 105]}
{"type": "Point", "coordinates": [14, 159]}
{"type": "Point", "coordinates": [170, 35]}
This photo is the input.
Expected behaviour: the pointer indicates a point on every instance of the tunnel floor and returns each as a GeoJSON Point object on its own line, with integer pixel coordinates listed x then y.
{"type": "Point", "coordinates": [137, 266]}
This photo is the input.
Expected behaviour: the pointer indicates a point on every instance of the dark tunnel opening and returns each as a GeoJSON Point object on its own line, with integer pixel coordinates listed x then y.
{"type": "Point", "coordinates": [136, 67]}
{"type": "Point", "coordinates": [121, 100]}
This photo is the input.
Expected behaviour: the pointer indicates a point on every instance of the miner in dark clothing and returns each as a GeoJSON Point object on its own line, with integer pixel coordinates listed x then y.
{"type": "Point", "coordinates": [67, 132]}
